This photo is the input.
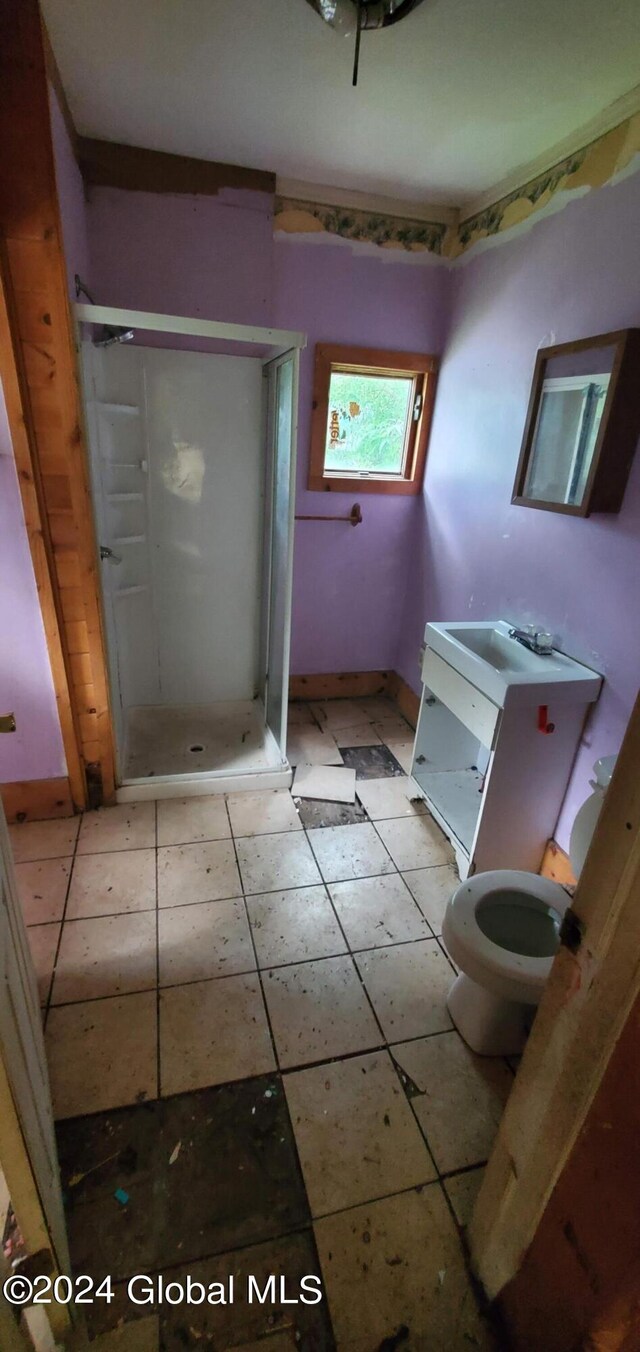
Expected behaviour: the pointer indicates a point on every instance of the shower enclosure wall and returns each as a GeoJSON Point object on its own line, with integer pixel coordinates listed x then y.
{"type": "Point", "coordinates": [192, 464]}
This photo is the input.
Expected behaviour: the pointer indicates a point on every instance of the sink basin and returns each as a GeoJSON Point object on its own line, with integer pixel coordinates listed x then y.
{"type": "Point", "coordinates": [506, 671]}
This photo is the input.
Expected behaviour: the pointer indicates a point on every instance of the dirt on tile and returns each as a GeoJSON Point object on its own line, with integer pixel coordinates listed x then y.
{"type": "Point", "coordinates": [371, 762]}
{"type": "Point", "coordinates": [320, 813]}
{"type": "Point", "coordinates": [235, 1179]}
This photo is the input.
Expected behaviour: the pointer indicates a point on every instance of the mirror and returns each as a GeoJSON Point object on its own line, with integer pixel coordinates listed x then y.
{"type": "Point", "coordinates": [568, 462]}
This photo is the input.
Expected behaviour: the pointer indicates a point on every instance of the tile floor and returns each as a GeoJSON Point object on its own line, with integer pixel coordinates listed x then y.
{"type": "Point", "coordinates": [246, 1023]}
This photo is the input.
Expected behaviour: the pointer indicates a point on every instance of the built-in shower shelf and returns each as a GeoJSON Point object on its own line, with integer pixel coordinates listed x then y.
{"type": "Point", "coordinates": [129, 539]}
{"type": "Point", "coordinates": [124, 464]}
{"type": "Point", "coordinates": [131, 591]}
{"type": "Point", "coordinates": [125, 497]}
{"type": "Point", "coordinates": [132, 410]}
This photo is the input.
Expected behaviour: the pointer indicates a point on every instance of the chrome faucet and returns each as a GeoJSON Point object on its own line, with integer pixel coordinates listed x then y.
{"type": "Point", "coordinates": [536, 640]}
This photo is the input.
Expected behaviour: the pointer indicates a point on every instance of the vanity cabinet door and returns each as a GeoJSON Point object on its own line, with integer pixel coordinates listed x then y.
{"type": "Point", "coordinates": [474, 709]}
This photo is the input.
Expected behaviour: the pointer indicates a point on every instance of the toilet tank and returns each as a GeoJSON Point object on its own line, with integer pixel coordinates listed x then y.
{"type": "Point", "coordinates": [587, 816]}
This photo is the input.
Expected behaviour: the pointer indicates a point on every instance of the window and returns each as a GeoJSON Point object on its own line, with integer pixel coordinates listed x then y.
{"type": "Point", "coordinates": [371, 416]}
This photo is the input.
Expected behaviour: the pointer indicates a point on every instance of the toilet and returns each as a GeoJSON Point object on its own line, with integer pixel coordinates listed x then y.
{"type": "Point", "coordinates": [501, 929]}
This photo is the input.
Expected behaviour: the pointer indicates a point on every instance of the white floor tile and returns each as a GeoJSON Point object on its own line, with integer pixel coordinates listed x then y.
{"type": "Point", "coordinates": [294, 926]}
{"type": "Point", "coordinates": [378, 707]}
{"type": "Point", "coordinates": [356, 1135]}
{"type": "Point", "coordinates": [212, 1032]}
{"type": "Point", "coordinates": [44, 840]}
{"type": "Point", "coordinates": [340, 713]}
{"type": "Point", "coordinates": [102, 1054]}
{"type": "Point", "coordinates": [257, 814]}
{"type": "Point", "coordinates": [205, 871]}
{"type": "Point", "coordinates": [402, 749]}
{"type": "Point", "coordinates": [462, 1100]}
{"type": "Point", "coordinates": [378, 911]}
{"type": "Point", "coordinates": [210, 939]}
{"type": "Point", "coordinates": [311, 746]}
{"type": "Point", "coordinates": [462, 1191]}
{"type": "Point", "coordinates": [108, 884]}
{"type": "Point", "coordinates": [390, 797]}
{"type": "Point", "coordinates": [408, 987]}
{"type": "Point", "coordinates": [415, 842]}
{"type": "Point", "coordinates": [318, 1010]}
{"type": "Point", "coordinates": [433, 888]}
{"type": "Point", "coordinates": [362, 735]}
{"type": "Point", "coordinates": [271, 863]}
{"type": "Point", "coordinates": [349, 852]}
{"type": "Point", "coordinates": [42, 887]}
{"type": "Point", "coordinates": [107, 955]}
{"type": "Point", "coordinates": [183, 821]}
{"type": "Point", "coordinates": [43, 943]}
{"type": "Point", "coordinates": [398, 1263]}
{"type": "Point", "coordinates": [127, 826]}
{"type": "Point", "coordinates": [326, 783]}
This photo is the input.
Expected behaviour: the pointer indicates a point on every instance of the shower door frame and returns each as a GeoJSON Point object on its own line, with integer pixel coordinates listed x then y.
{"type": "Point", "coordinates": [280, 344]}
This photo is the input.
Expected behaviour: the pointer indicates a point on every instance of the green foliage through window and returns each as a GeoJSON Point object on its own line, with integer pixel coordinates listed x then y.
{"type": "Point", "coordinates": [367, 422]}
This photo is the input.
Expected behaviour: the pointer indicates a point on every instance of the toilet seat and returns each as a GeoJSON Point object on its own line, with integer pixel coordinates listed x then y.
{"type": "Point", "coordinates": [510, 975]}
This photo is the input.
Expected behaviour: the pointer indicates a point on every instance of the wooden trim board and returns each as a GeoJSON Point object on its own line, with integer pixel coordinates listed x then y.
{"type": "Point", "coordinates": [588, 998]}
{"type": "Point", "coordinates": [357, 685]}
{"type": "Point", "coordinates": [109, 164]}
{"type": "Point", "coordinates": [37, 799]}
{"type": "Point", "coordinates": [423, 369]}
{"type": "Point", "coordinates": [40, 545]}
{"type": "Point", "coordinates": [556, 865]}
{"type": "Point", "coordinates": [339, 685]}
{"type": "Point", "coordinates": [406, 699]}
{"type": "Point", "coordinates": [35, 283]}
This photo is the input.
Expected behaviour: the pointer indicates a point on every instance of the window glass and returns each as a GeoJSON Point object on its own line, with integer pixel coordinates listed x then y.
{"type": "Point", "coordinates": [367, 422]}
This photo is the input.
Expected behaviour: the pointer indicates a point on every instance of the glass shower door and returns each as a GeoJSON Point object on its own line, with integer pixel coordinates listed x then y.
{"type": "Point", "coordinates": [282, 415]}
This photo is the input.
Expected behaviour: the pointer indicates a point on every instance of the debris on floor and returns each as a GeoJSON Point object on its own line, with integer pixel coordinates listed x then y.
{"type": "Point", "coordinates": [330, 783]}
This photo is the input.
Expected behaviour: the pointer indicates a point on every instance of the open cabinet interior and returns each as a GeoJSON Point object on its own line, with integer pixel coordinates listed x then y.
{"type": "Point", "coordinates": [192, 471]}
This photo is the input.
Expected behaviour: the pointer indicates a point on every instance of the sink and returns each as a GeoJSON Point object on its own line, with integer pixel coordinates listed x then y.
{"type": "Point", "coordinates": [506, 671]}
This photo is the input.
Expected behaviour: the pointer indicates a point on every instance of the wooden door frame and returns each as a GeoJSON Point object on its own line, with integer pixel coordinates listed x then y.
{"type": "Point", "coordinates": [46, 418]}
{"type": "Point", "coordinates": [40, 546]}
{"type": "Point", "coordinates": [590, 994]}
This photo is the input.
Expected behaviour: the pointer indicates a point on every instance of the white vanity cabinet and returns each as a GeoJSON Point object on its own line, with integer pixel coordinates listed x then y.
{"type": "Point", "coordinates": [493, 769]}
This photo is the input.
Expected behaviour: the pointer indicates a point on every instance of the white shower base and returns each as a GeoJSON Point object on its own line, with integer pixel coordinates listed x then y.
{"type": "Point", "coordinates": [199, 749]}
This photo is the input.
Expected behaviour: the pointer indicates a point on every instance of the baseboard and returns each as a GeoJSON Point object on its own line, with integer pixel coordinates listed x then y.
{"type": "Point", "coordinates": [36, 799]}
{"type": "Point", "coordinates": [356, 685]}
{"type": "Point", "coordinates": [406, 699]}
{"type": "Point", "coordinates": [342, 685]}
{"type": "Point", "coordinates": [557, 865]}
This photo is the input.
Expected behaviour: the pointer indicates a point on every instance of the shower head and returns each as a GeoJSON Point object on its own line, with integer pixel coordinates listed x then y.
{"type": "Point", "coordinates": [110, 333]}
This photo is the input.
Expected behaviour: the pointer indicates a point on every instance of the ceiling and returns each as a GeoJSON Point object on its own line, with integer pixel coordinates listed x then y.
{"type": "Point", "coordinates": [449, 102]}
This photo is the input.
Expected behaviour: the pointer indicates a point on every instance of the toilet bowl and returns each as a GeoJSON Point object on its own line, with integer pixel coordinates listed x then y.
{"type": "Point", "coordinates": [501, 929]}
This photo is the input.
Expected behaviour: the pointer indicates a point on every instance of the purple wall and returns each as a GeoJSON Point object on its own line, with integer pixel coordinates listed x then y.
{"type": "Point", "coordinates": [35, 750]}
{"type": "Point", "coordinates": [362, 597]}
{"type": "Point", "coordinates": [70, 198]}
{"type": "Point", "coordinates": [348, 582]}
{"type": "Point", "coordinates": [473, 555]}
{"type": "Point", "coordinates": [209, 257]}
{"type": "Point", "coordinates": [216, 257]}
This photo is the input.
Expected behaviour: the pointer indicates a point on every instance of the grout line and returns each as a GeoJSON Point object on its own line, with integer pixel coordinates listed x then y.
{"type": "Point", "coordinates": [47, 1006]}
{"type": "Point", "coordinates": [253, 946]}
{"type": "Point", "coordinates": [349, 949]}
{"type": "Point", "coordinates": [382, 1197]}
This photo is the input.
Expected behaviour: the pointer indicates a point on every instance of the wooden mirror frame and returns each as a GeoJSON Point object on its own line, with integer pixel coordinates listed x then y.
{"type": "Point", "coordinates": [617, 435]}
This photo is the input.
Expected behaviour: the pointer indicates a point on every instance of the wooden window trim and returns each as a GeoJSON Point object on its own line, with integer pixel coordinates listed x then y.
{"type": "Point", "coordinates": [423, 367]}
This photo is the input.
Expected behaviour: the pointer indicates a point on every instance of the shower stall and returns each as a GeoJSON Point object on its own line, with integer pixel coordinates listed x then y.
{"type": "Point", "coordinates": [191, 428]}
